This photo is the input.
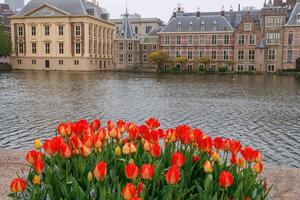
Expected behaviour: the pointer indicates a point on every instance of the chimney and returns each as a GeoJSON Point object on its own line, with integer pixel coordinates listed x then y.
{"type": "Point", "coordinates": [174, 13]}
{"type": "Point", "coordinates": [198, 12]}
{"type": "Point", "coordinates": [239, 7]}
{"type": "Point", "coordinates": [223, 11]}
{"type": "Point", "coordinates": [231, 8]}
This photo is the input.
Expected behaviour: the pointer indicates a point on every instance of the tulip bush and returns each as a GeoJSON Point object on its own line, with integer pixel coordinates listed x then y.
{"type": "Point", "coordinates": [124, 160]}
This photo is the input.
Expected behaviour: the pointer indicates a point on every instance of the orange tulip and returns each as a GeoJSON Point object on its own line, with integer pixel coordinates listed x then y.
{"type": "Point", "coordinates": [258, 157]}
{"type": "Point", "coordinates": [88, 140]}
{"type": "Point", "coordinates": [100, 171]}
{"type": "Point", "coordinates": [95, 124]}
{"type": "Point", "coordinates": [129, 191]}
{"type": "Point", "coordinates": [173, 175]}
{"type": "Point", "coordinates": [131, 171]}
{"type": "Point", "coordinates": [208, 168]}
{"type": "Point", "coordinates": [39, 166]}
{"type": "Point", "coordinates": [147, 171]}
{"type": "Point", "coordinates": [178, 159]}
{"type": "Point", "coordinates": [75, 142]}
{"type": "Point", "coordinates": [121, 125]}
{"type": "Point", "coordinates": [36, 180]}
{"type": "Point", "coordinates": [155, 150]}
{"type": "Point", "coordinates": [33, 155]}
{"type": "Point", "coordinates": [65, 151]}
{"type": "Point", "coordinates": [258, 167]}
{"type": "Point", "coordinates": [85, 151]}
{"type": "Point", "coordinates": [52, 146]}
{"type": "Point", "coordinates": [240, 162]}
{"type": "Point", "coordinates": [18, 185]}
{"type": "Point", "coordinates": [225, 179]}
{"type": "Point", "coordinates": [215, 156]}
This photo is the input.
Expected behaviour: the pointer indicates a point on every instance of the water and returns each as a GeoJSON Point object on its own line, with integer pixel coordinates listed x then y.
{"type": "Point", "coordinates": [261, 111]}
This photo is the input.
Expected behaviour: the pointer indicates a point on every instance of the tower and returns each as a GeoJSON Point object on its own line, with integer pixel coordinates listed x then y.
{"type": "Point", "coordinates": [278, 3]}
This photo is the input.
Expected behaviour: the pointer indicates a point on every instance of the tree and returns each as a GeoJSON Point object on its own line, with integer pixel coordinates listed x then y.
{"type": "Point", "coordinates": [159, 58]}
{"type": "Point", "coordinates": [5, 45]}
{"type": "Point", "coordinates": [204, 60]}
{"type": "Point", "coordinates": [298, 64]}
{"type": "Point", "coordinates": [180, 60]}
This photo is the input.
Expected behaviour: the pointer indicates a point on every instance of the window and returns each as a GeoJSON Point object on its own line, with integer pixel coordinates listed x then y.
{"type": "Point", "coordinates": [130, 58]}
{"type": "Point", "coordinates": [240, 67]}
{"type": "Point", "coordinates": [47, 47]}
{"type": "Point", "coordinates": [213, 54]}
{"type": "Point", "coordinates": [214, 39]}
{"type": "Point", "coordinates": [61, 48]}
{"type": "Point", "coordinates": [290, 39]}
{"type": "Point", "coordinates": [76, 62]}
{"type": "Point", "coordinates": [77, 48]}
{"type": "Point", "coordinates": [191, 26]}
{"type": "Point", "coordinates": [201, 53]}
{"type": "Point", "coordinates": [241, 39]}
{"type": "Point", "coordinates": [252, 39]}
{"type": "Point", "coordinates": [238, 18]}
{"type": "Point", "coordinates": [33, 30]}
{"type": "Point", "coordinates": [271, 68]}
{"type": "Point", "coordinates": [190, 67]}
{"type": "Point", "coordinates": [145, 47]}
{"type": "Point", "coordinates": [179, 26]}
{"type": "Point", "coordinates": [121, 46]}
{"type": "Point", "coordinates": [202, 26]}
{"type": "Point", "coordinates": [33, 48]}
{"type": "Point", "coordinates": [247, 27]}
{"type": "Point", "coordinates": [178, 54]}
{"type": "Point", "coordinates": [269, 22]}
{"type": "Point", "coordinates": [33, 62]}
{"type": "Point", "coordinates": [190, 40]}
{"type": "Point", "coordinates": [290, 55]}
{"type": "Point", "coordinates": [213, 67]}
{"type": "Point", "coordinates": [77, 30]}
{"type": "Point", "coordinates": [130, 46]}
{"type": "Point", "coordinates": [273, 38]}
{"type": "Point", "coordinates": [121, 58]}
{"type": "Point", "coordinates": [60, 30]}
{"type": "Point", "coordinates": [154, 47]}
{"type": "Point", "coordinates": [240, 55]}
{"type": "Point", "coordinates": [226, 39]}
{"type": "Point", "coordinates": [20, 31]}
{"type": "Point", "coordinates": [60, 62]}
{"type": "Point", "coordinates": [278, 22]}
{"type": "Point", "coordinates": [215, 25]}
{"type": "Point", "coordinates": [201, 40]}
{"type": "Point", "coordinates": [190, 55]}
{"type": "Point", "coordinates": [145, 58]}
{"type": "Point", "coordinates": [136, 30]}
{"type": "Point", "coordinates": [251, 68]}
{"type": "Point", "coordinates": [271, 54]}
{"type": "Point", "coordinates": [148, 29]}
{"type": "Point", "coordinates": [225, 55]}
{"type": "Point", "coordinates": [298, 17]}
{"type": "Point", "coordinates": [178, 40]}
{"type": "Point", "coordinates": [251, 54]}
{"type": "Point", "coordinates": [19, 62]}
{"type": "Point", "coordinates": [167, 39]}
{"type": "Point", "coordinates": [47, 30]}
{"type": "Point", "coordinates": [21, 48]}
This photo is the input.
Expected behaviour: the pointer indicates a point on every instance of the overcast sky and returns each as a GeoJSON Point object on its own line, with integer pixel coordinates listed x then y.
{"type": "Point", "coordinates": [163, 8]}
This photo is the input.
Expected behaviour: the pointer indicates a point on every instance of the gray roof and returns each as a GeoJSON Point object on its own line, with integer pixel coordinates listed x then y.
{"type": "Point", "coordinates": [294, 15]}
{"type": "Point", "coordinates": [126, 31]}
{"type": "Point", "coordinates": [193, 24]}
{"type": "Point", "coordinates": [74, 7]}
{"type": "Point", "coordinates": [154, 31]}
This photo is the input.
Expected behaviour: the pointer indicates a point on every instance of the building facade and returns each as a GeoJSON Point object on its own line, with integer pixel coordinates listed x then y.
{"type": "Point", "coordinates": [15, 5]}
{"type": "Point", "coordinates": [62, 35]}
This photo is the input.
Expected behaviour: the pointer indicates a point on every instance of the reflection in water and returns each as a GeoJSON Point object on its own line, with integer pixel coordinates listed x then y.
{"type": "Point", "coordinates": [263, 111]}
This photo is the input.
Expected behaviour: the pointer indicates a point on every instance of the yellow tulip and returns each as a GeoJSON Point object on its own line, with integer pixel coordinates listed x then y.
{"type": "Point", "coordinates": [37, 144]}
{"type": "Point", "coordinates": [118, 151]}
{"type": "Point", "coordinates": [36, 180]}
{"type": "Point", "coordinates": [90, 177]}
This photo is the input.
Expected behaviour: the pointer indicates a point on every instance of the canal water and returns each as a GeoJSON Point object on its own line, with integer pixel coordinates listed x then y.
{"type": "Point", "coordinates": [260, 110]}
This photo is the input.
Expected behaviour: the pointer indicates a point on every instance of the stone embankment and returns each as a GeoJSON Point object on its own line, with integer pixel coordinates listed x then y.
{"type": "Point", "coordinates": [285, 181]}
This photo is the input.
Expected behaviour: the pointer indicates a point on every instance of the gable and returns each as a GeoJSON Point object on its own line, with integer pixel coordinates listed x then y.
{"type": "Point", "coordinates": [46, 11]}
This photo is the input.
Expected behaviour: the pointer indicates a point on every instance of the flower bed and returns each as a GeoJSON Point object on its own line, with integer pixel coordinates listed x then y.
{"type": "Point", "coordinates": [127, 161]}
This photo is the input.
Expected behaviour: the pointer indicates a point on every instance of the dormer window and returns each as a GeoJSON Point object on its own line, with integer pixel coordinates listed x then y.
{"type": "Point", "coordinates": [238, 18]}
{"type": "Point", "coordinates": [191, 26]}
{"type": "Point", "coordinates": [179, 26]}
{"type": "Point", "coordinates": [215, 25]}
{"type": "Point", "coordinates": [202, 25]}
{"type": "Point", "coordinates": [298, 17]}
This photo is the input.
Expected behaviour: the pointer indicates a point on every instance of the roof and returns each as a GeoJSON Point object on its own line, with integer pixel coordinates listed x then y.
{"type": "Point", "coordinates": [194, 24]}
{"type": "Point", "coordinates": [293, 19]}
{"type": "Point", "coordinates": [126, 31]}
{"type": "Point", "coordinates": [154, 31]}
{"type": "Point", "coordinates": [150, 40]}
{"type": "Point", "coordinates": [73, 7]}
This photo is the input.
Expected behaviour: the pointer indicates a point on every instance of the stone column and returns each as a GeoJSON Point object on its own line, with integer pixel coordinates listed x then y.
{"type": "Point", "coordinates": [86, 40]}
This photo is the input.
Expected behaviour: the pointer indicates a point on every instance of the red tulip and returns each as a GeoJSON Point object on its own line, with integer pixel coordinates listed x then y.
{"type": "Point", "coordinates": [33, 155]}
{"type": "Point", "coordinates": [65, 151]}
{"type": "Point", "coordinates": [98, 142]}
{"type": "Point", "coordinates": [196, 158]}
{"type": "Point", "coordinates": [225, 179]}
{"type": "Point", "coordinates": [129, 191]}
{"type": "Point", "coordinates": [249, 154]}
{"type": "Point", "coordinates": [205, 144]}
{"type": "Point", "coordinates": [88, 140]}
{"type": "Point", "coordinates": [233, 159]}
{"type": "Point", "coordinates": [18, 185]}
{"type": "Point", "coordinates": [235, 146]}
{"type": "Point", "coordinates": [218, 143]}
{"type": "Point", "coordinates": [258, 167]}
{"type": "Point", "coordinates": [133, 133]}
{"type": "Point", "coordinates": [63, 129]}
{"type": "Point", "coordinates": [39, 166]}
{"type": "Point", "coordinates": [152, 136]}
{"type": "Point", "coordinates": [152, 123]}
{"type": "Point", "coordinates": [131, 171]}
{"type": "Point", "coordinates": [155, 150]}
{"type": "Point", "coordinates": [100, 171]}
{"type": "Point", "coordinates": [147, 171]}
{"type": "Point", "coordinates": [227, 144]}
{"type": "Point", "coordinates": [75, 142]}
{"type": "Point", "coordinates": [110, 124]}
{"type": "Point", "coordinates": [173, 175]}
{"type": "Point", "coordinates": [184, 134]}
{"type": "Point", "coordinates": [140, 188]}
{"type": "Point", "coordinates": [121, 125]}
{"type": "Point", "coordinates": [52, 146]}
{"type": "Point", "coordinates": [95, 124]}
{"type": "Point", "coordinates": [178, 159]}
